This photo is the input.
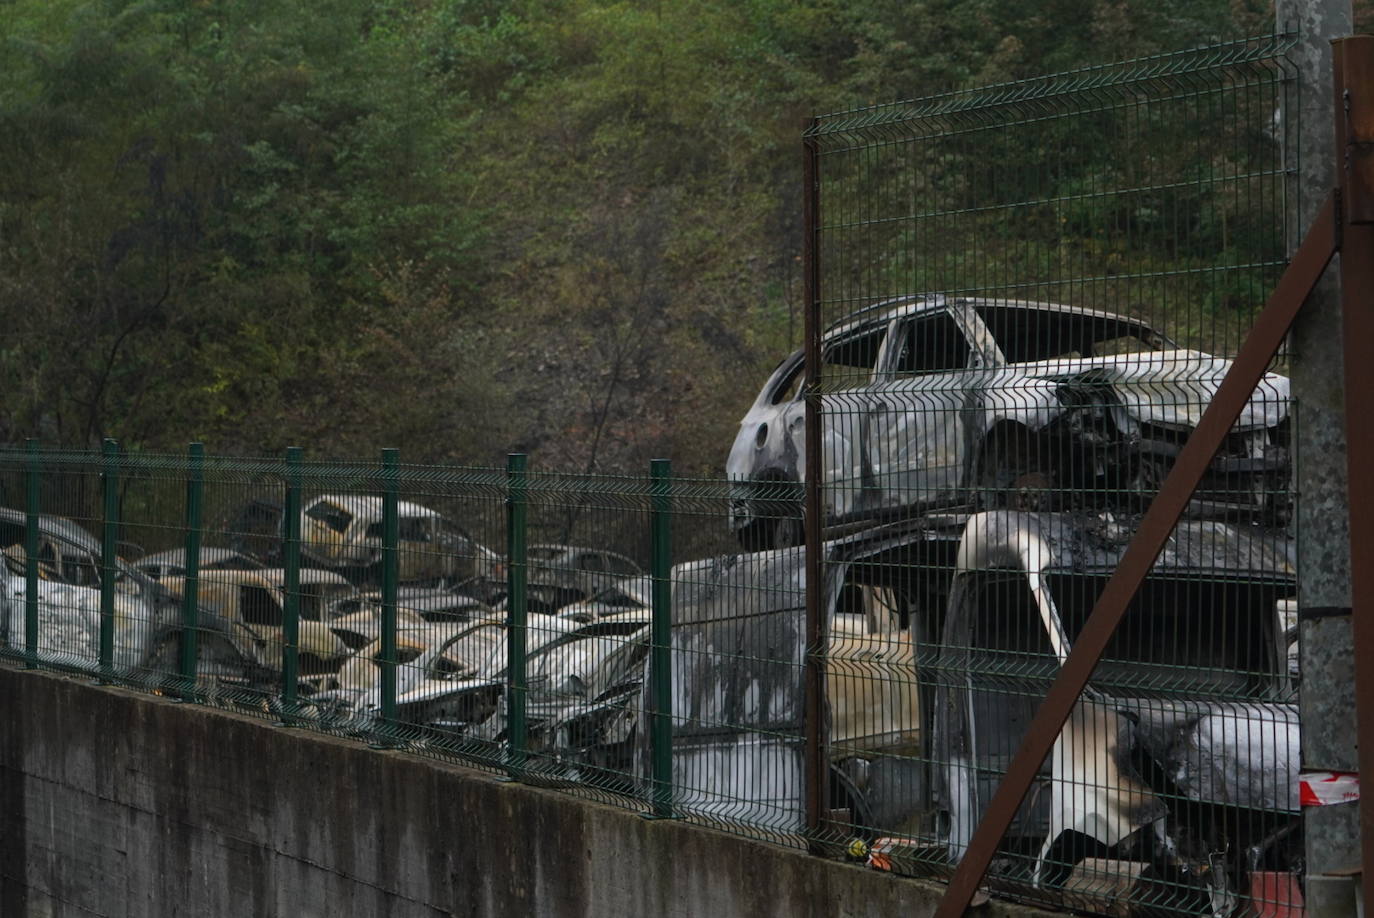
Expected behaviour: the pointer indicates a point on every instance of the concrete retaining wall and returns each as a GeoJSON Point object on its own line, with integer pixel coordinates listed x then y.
{"type": "Point", "coordinates": [124, 805]}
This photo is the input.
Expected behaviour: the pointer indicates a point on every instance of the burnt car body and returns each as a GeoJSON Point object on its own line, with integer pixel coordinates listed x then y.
{"type": "Point", "coordinates": [452, 683]}
{"type": "Point", "coordinates": [172, 563]}
{"type": "Point", "coordinates": [67, 553]}
{"type": "Point", "coordinates": [147, 631]}
{"type": "Point", "coordinates": [358, 617]}
{"type": "Point", "coordinates": [455, 686]}
{"type": "Point", "coordinates": [561, 673]}
{"type": "Point", "coordinates": [361, 672]}
{"type": "Point", "coordinates": [1176, 774]}
{"type": "Point", "coordinates": [257, 601]}
{"type": "Point", "coordinates": [624, 595]}
{"type": "Point", "coordinates": [871, 694]}
{"type": "Point", "coordinates": [558, 575]}
{"type": "Point", "coordinates": [934, 401]}
{"type": "Point", "coordinates": [738, 653]}
{"type": "Point", "coordinates": [435, 604]}
{"type": "Point", "coordinates": [343, 533]}
{"type": "Point", "coordinates": [1173, 784]}
{"type": "Point", "coordinates": [69, 621]}
{"type": "Point", "coordinates": [69, 564]}
{"type": "Point", "coordinates": [593, 739]}
{"type": "Point", "coordinates": [228, 671]}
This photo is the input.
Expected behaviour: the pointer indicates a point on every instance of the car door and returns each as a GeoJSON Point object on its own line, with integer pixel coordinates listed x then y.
{"type": "Point", "coordinates": [915, 432]}
{"type": "Point", "coordinates": [847, 372]}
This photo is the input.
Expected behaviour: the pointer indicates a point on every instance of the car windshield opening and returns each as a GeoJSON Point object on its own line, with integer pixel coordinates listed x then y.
{"type": "Point", "coordinates": [1027, 334]}
{"type": "Point", "coordinates": [336, 518]}
{"type": "Point", "coordinates": [932, 344]}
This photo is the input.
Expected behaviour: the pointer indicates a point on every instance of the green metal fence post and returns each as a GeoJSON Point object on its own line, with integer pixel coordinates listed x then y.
{"type": "Point", "coordinates": [31, 551]}
{"type": "Point", "coordinates": [109, 570]}
{"type": "Point", "coordinates": [190, 594]}
{"type": "Point", "coordinates": [291, 611]}
{"type": "Point", "coordinates": [660, 658]}
{"type": "Point", "coordinates": [391, 536]}
{"type": "Point", "coordinates": [516, 574]}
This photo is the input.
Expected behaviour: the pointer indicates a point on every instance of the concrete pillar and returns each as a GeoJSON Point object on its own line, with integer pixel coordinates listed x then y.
{"type": "Point", "coordinates": [1327, 697]}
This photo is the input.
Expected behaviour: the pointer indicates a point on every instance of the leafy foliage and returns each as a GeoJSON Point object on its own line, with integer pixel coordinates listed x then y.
{"type": "Point", "coordinates": [456, 226]}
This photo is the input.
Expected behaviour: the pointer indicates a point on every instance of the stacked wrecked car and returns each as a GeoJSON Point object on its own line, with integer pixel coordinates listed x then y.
{"type": "Point", "coordinates": [984, 465]}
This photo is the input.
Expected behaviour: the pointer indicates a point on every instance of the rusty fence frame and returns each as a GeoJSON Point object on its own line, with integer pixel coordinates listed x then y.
{"type": "Point", "coordinates": [1344, 224]}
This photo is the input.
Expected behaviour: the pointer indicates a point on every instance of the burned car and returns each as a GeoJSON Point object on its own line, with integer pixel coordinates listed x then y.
{"type": "Point", "coordinates": [871, 694]}
{"type": "Point", "coordinates": [257, 600]}
{"type": "Point", "coordinates": [450, 684]}
{"type": "Point", "coordinates": [361, 612]}
{"type": "Point", "coordinates": [560, 674]}
{"type": "Point", "coordinates": [562, 574]}
{"type": "Point", "coordinates": [457, 685]}
{"type": "Point", "coordinates": [343, 533]}
{"type": "Point", "coordinates": [147, 632]}
{"type": "Point", "coordinates": [69, 620]}
{"type": "Point", "coordinates": [67, 553]}
{"type": "Point", "coordinates": [172, 563]}
{"type": "Point", "coordinates": [421, 621]}
{"type": "Point", "coordinates": [1174, 784]}
{"type": "Point", "coordinates": [738, 652]}
{"type": "Point", "coordinates": [625, 595]}
{"type": "Point", "coordinates": [593, 738]}
{"type": "Point", "coordinates": [69, 565]}
{"type": "Point", "coordinates": [938, 402]}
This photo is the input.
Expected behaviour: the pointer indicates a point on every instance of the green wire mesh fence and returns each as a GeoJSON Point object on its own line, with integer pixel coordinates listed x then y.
{"type": "Point", "coordinates": [1029, 293]}
{"type": "Point", "coordinates": [1023, 299]}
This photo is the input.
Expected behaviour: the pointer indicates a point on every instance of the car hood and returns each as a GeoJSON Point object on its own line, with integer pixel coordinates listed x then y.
{"type": "Point", "coordinates": [1170, 388]}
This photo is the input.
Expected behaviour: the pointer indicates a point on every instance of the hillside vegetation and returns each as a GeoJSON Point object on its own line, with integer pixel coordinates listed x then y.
{"type": "Point", "coordinates": [459, 227]}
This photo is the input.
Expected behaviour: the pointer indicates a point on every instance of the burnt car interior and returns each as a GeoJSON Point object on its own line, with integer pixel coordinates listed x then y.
{"type": "Point", "coordinates": [336, 518]}
{"type": "Point", "coordinates": [1030, 335]}
{"type": "Point", "coordinates": [931, 344]}
{"type": "Point", "coordinates": [849, 362]}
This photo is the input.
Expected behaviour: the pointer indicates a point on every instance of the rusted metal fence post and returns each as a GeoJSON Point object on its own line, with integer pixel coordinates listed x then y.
{"type": "Point", "coordinates": [813, 766]}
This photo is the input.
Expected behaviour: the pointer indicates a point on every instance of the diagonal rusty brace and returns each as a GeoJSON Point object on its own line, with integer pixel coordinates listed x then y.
{"type": "Point", "coordinates": [1263, 342]}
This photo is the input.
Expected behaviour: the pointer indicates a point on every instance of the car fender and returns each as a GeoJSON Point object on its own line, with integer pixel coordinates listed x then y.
{"type": "Point", "coordinates": [1031, 403]}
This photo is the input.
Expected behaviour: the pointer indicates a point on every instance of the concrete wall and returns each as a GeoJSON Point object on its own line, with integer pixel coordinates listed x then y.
{"type": "Point", "coordinates": [119, 804]}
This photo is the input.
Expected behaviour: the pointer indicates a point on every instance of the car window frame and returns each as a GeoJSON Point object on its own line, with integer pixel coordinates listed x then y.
{"type": "Point", "coordinates": [896, 334]}
{"type": "Point", "coordinates": [874, 372]}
